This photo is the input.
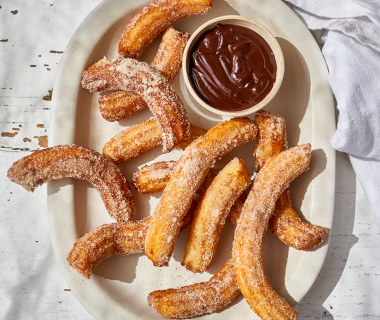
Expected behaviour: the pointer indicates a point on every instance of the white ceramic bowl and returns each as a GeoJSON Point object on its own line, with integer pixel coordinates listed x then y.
{"type": "Point", "coordinates": [253, 25]}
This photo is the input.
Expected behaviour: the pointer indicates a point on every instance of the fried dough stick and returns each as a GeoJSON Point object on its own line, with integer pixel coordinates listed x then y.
{"type": "Point", "coordinates": [285, 223]}
{"type": "Point", "coordinates": [168, 61]}
{"type": "Point", "coordinates": [80, 163]}
{"type": "Point", "coordinates": [211, 214]}
{"type": "Point", "coordinates": [270, 182]}
{"type": "Point", "coordinates": [155, 18]}
{"type": "Point", "coordinates": [140, 138]}
{"type": "Point", "coordinates": [188, 174]}
{"type": "Point", "coordinates": [138, 77]}
{"type": "Point", "coordinates": [113, 239]}
{"type": "Point", "coordinates": [197, 299]}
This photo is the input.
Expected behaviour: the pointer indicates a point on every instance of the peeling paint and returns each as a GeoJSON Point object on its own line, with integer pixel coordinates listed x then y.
{"type": "Point", "coordinates": [49, 96]}
{"type": "Point", "coordinates": [4, 40]}
{"type": "Point", "coordinates": [33, 65]}
{"type": "Point", "coordinates": [40, 125]}
{"type": "Point", "coordinates": [8, 134]}
{"type": "Point", "coordinates": [42, 141]}
{"type": "Point", "coordinates": [55, 51]}
{"type": "Point", "coordinates": [17, 129]}
{"type": "Point", "coordinates": [14, 11]}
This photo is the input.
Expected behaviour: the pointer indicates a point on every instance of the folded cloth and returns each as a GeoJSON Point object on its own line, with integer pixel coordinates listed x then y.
{"type": "Point", "coordinates": [349, 33]}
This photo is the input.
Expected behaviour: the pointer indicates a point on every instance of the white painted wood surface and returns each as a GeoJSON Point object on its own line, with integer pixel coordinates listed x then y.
{"type": "Point", "coordinates": [33, 35]}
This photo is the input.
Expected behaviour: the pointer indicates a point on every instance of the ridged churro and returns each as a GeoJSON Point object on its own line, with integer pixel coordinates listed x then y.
{"type": "Point", "coordinates": [168, 61]}
{"type": "Point", "coordinates": [211, 214]}
{"type": "Point", "coordinates": [188, 174]}
{"type": "Point", "coordinates": [154, 177]}
{"type": "Point", "coordinates": [120, 238]}
{"type": "Point", "coordinates": [197, 299]}
{"type": "Point", "coordinates": [138, 77]}
{"type": "Point", "coordinates": [269, 183]}
{"type": "Point", "coordinates": [285, 223]}
{"type": "Point", "coordinates": [81, 163]}
{"type": "Point", "coordinates": [155, 18]}
{"type": "Point", "coordinates": [140, 138]}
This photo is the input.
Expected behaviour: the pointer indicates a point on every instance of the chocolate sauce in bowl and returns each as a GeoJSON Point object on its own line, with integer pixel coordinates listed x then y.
{"type": "Point", "coordinates": [232, 67]}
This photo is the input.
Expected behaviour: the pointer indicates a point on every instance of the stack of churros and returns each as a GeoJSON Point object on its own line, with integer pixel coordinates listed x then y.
{"type": "Point", "coordinates": [267, 206]}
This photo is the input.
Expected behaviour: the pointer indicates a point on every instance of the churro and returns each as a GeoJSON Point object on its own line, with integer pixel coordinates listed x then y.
{"type": "Point", "coordinates": [120, 238]}
{"type": "Point", "coordinates": [285, 223]}
{"type": "Point", "coordinates": [155, 18]}
{"type": "Point", "coordinates": [211, 214]}
{"type": "Point", "coordinates": [197, 299]}
{"type": "Point", "coordinates": [138, 77]}
{"type": "Point", "coordinates": [140, 138]}
{"type": "Point", "coordinates": [119, 105]}
{"type": "Point", "coordinates": [188, 174]}
{"type": "Point", "coordinates": [154, 177]}
{"type": "Point", "coordinates": [168, 61]}
{"type": "Point", "coordinates": [81, 163]}
{"type": "Point", "coordinates": [270, 182]}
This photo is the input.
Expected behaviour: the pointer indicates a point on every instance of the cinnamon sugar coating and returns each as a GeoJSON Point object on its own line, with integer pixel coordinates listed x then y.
{"type": "Point", "coordinates": [155, 18]}
{"type": "Point", "coordinates": [120, 238]}
{"type": "Point", "coordinates": [188, 174]}
{"type": "Point", "coordinates": [138, 77]}
{"type": "Point", "coordinates": [197, 299]}
{"type": "Point", "coordinates": [119, 105]}
{"type": "Point", "coordinates": [80, 163]}
{"type": "Point", "coordinates": [154, 177]}
{"type": "Point", "coordinates": [140, 138]}
{"type": "Point", "coordinates": [168, 61]}
{"type": "Point", "coordinates": [211, 214]}
{"type": "Point", "coordinates": [269, 183]}
{"type": "Point", "coordinates": [285, 223]}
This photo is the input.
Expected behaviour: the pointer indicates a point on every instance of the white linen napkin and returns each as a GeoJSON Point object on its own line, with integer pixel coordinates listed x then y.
{"type": "Point", "coordinates": [349, 33]}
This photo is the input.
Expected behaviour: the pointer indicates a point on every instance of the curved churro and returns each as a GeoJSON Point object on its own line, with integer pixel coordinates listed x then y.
{"type": "Point", "coordinates": [285, 223]}
{"type": "Point", "coordinates": [81, 163]}
{"type": "Point", "coordinates": [187, 176]}
{"type": "Point", "coordinates": [197, 299]}
{"type": "Point", "coordinates": [155, 18]}
{"type": "Point", "coordinates": [121, 238]}
{"type": "Point", "coordinates": [140, 138]}
{"type": "Point", "coordinates": [160, 96]}
{"type": "Point", "coordinates": [168, 61]}
{"type": "Point", "coordinates": [270, 182]}
{"type": "Point", "coordinates": [211, 214]}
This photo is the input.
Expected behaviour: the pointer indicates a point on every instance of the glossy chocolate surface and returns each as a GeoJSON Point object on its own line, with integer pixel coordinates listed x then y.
{"type": "Point", "coordinates": [232, 68]}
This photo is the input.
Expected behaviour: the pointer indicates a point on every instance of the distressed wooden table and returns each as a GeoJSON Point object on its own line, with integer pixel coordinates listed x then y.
{"type": "Point", "coordinates": [33, 36]}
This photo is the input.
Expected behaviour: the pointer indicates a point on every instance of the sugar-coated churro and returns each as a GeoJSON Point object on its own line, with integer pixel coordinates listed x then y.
{"type": "Point", "coordinates": [138, 77]}
{"type": "Point", "coordinates": [121, 238]}
{"type": "Point", "coordinates": [140, 138]}
{"type": "Point", "coordinates": [81, 163]}
{"type": "Point", "coordinates": [211, 214]}
{"type": "Point", "coordinates": [197, 299]}
{"type": "Point", "coordinates": [285, 223]}
{"type": "Point", "coordinates": [154, 177]}
{"type": "Point", "coordinates": [168, 61]}
{"type": "Point", "coordinates": [187, 176]}
{"type": "Point", "coordinates": [155, 18]}
{"type": "Point", "coordinates": [270, 182]}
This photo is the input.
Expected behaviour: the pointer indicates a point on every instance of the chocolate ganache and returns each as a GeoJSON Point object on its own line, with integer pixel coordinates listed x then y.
{"type": "Point", "coordinates": [232, 67]}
